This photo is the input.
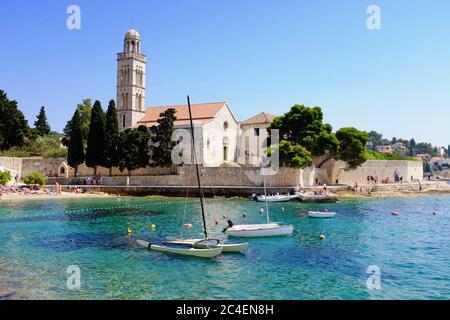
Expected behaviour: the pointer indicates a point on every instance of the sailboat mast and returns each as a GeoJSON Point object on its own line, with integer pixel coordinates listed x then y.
{"type": "Point", "coordinates": [265, 193]}
{"type": "Point", "coordinates": [200, 189]}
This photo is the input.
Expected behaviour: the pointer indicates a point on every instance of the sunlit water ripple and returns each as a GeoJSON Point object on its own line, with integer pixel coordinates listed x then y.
{"type": "Point", "coordinates": [40, 239]}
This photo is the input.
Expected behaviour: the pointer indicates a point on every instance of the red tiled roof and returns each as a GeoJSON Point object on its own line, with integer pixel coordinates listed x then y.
{"type": "Point", "coordinates": [201, 113]}
{"type": "Point", "coordinates": [262, 117]}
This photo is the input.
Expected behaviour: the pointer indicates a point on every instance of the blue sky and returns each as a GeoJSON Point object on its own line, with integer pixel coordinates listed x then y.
{"type": "Point", "coordinates": [256, 55]}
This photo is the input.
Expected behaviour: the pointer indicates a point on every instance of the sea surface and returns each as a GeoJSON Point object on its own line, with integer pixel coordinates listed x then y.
{"type": "Point", "coordinates": [40, 241]}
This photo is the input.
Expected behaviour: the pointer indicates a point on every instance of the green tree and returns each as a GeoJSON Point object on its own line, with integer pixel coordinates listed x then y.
{"type": "Point", "coordinates": [84, 110]}
{"type": "Point", "coordinates": [111, 138]}
{"type": "Point", "coordinates": [304, 126]}
{"type": "Point", "coordinates": [294, 156]}
{"type": "Point", "coordinates": [41, 126]}
{"type": "Point", "coordinates": [96, 142]}
{"type": "Point", "coordinates": [162, 135]}
{"type": "Point", "coordinates": [412, 147]}
{"type": "Point", "coordinates": [352, 147]}
{"type": "Point", "coordinates": [75, 152]}
{"type": "Point", "coordinates": [133, 149]}
{"type": "Point", "coordinates": [374, 139]}
{"type": "Point", "coordinates": [13, 125]}
{"type": "Point", "coordinates": [424, 147]}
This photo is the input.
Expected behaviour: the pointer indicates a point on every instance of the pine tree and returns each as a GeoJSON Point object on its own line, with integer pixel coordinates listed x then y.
{"type": "Point", "coordinates": [75, 154]}
{"type": "Point", "coordinates": [95, 152]}
{"type": "Point", "coordinates": [41, 124]}
{"type": "Point", "coordinates": [111, 138]}
{"type": "Point", "coordinates": [162, 134]}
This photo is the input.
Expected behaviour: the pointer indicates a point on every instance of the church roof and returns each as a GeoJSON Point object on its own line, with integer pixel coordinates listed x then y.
{"type": "Point", "coordinates": [262, 117]}
{"type": "Point", "coordinates": [201, 113]}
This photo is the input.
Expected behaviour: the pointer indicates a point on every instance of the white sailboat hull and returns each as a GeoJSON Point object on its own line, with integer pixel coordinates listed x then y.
{"type": "Point", "coordinates": [186, 251]}
{"type": "Point", "coordinates": [260, 230]}
{"type": "Point", "coordinates": [226, 247]}
{"type": "Point", "coordinates": [321, 215]}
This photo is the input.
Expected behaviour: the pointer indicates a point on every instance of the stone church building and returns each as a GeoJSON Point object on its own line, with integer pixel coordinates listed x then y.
{"type": "Point", "coordinates": [225, 139]}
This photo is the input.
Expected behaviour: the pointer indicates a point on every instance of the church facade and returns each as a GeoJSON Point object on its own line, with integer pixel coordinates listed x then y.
{"type": "Point", "coordinates": [225, 139]}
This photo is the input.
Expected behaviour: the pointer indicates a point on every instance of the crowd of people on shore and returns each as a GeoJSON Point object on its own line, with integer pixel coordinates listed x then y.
{"type": "Point", "coordinates": [25, 191]}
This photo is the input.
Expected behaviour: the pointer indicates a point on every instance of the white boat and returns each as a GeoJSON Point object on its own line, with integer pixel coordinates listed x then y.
{"type": "Point", "coordinates": [260, 230]}
{"type": "Point", "coordinates": [321, 215]}
{"type": "Point", "coordinates": [324, 198]}
{"type": "Point", "coordinates": [227, 247]}
{"type": "Point", "coordinates": [186, 250]}
{"type": "Point", "coordinates": [277, 198]}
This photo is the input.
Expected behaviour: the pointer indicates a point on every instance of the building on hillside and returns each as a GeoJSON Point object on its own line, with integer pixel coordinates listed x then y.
{"type": "Point", "coordinates": [384, 149]}
{"type": "Point", "coordinates": [398, 146]}
{"type": "Point", "coordinates": [220, 130]}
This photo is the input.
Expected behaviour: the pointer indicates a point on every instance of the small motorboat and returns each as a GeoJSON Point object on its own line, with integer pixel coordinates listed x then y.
{"type": "Point", "coordinates": [200, 249]}
{"type": "Point", "coordinates": [319, 198]}
{"type": "Point", "coordinates": [321, 215]}
{"type": "Point", "coordinates": [277, 198]}
{"type": "Point", "coordinates": [259, 230]}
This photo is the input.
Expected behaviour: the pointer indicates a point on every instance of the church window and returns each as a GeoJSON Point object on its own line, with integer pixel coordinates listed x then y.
{"type": "Point", "coordinates": [257, 132]}
{"type": "Point", "coordinates": [225, 125]}
{"type": "Point", "coordinates": [123, 121]}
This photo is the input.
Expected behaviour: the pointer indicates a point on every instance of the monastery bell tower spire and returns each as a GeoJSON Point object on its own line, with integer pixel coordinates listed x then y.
{"type": "Point", "coordinates": [131, 66]}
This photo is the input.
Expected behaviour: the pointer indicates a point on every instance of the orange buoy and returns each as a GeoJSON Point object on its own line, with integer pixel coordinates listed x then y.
{"type": "Point", "coordinates": [394, 213]}
{"type": "Point", "coordinates": [322, 237]}
{"type": "Point", "coordinates": [187, 225]}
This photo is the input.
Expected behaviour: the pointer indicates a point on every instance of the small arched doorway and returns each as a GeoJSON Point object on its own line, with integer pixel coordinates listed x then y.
{"type": "Point", "coordinates": [226, 143]}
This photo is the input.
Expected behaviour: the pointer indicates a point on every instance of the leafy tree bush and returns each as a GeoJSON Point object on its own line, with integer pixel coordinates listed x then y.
{"type": "Point", "coordinates": [35, 179]}
{"type": "Point", "coordinates": [5, 177]}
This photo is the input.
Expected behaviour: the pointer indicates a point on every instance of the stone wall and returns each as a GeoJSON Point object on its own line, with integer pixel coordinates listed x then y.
{"type": "Point", "coordinates": [382, 169]}
{"type": "Point", "coordinates": [331, 173]}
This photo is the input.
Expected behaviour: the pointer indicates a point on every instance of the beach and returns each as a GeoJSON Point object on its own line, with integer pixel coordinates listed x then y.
{"type": "Point", "coordinates": [13, 197]}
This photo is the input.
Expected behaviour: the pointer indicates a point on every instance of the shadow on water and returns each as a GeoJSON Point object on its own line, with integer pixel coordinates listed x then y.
{"type": "Point", "coordinates": [91, 215]}
{"type": "Point", "coordinates": [79, 241]}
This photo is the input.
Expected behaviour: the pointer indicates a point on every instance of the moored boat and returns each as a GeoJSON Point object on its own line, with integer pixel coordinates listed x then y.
{"type": "Point", "coordinates": [319, 198]}
{"type": "Point", "coordinates": [321, 215]}
{"type": "Point", "coordinates": [260, 230]}
{"type": "Point", "coordinates": [277, 198]}
{"type": "Point", "coordinates": [183, 249]}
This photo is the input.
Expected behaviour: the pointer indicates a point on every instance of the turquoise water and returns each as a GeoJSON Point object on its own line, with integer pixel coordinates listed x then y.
{"type": "Point", "coordinates": [40, 239]}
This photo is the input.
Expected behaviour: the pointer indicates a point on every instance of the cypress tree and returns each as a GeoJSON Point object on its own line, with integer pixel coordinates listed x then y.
{"type": "Point", "coordinates": [133, 149]}
{"type": "Point", "coordinates": [41, 124]}
{"type": "Point", "coordinates": [75, 154]}
{"type": "Point", "coordinates": [95, 152]}
{"type": "Point", "coordinates": [162, 153]}
{"type": "Point", "coordinates": [13, 125]}
{"type": "Point", "coordinates": [111, 138]}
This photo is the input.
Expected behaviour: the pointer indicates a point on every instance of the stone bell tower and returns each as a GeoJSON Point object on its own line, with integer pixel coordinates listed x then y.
{"type": "Point", "coordinates": [131, 65]}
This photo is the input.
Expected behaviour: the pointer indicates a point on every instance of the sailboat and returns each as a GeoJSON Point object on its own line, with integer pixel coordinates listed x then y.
{"type": "Point", "coordinates": [204, 248]}
{"type": "Point", "coordinates": [259, 230]}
